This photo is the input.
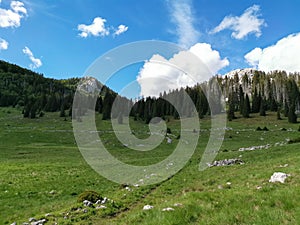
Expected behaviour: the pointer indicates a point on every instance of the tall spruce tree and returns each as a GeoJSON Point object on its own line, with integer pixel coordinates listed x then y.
{"type": "Point", "coordinates": [246, 107]}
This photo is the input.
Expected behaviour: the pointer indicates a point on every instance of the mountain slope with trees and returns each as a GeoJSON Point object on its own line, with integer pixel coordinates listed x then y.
{"type": "Point", "coordinates": [246, 91]}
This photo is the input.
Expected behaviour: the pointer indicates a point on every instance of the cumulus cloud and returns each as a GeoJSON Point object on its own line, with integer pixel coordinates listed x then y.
{"type": "Point", "coordinates": [183, 18]}
{"type": "Point", "coordinates": [3, 44]}
{"type": "Point", "coordinates": [121, 29]}
{"type": "Point", "coordinates": [249, 22]}
{"type": "Point", "coordinates": [284, 55]}
{"type": "Point", "coordinates": [97, 28]}
{"type": "Point", "coordinates": [36, 63]}
{"type": "Point", "coordinates": [12, 17]}
{"type": "Point", "coordinates": [185, 68]}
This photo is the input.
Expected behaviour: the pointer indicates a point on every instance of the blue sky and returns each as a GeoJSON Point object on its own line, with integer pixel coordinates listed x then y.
{"type": "Point", "coordinates": [57, 38]}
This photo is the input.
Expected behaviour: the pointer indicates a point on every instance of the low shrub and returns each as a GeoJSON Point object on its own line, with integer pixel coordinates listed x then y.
{"type": "Point", "coordinates": [91, 196]}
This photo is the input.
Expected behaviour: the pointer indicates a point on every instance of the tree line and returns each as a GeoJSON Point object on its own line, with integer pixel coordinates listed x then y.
{"type": "Point", "coordinates": [255, 92]}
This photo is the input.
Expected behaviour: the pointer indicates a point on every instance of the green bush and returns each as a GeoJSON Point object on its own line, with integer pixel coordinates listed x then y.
{"type": "Point", "coordinates": [91, 196]}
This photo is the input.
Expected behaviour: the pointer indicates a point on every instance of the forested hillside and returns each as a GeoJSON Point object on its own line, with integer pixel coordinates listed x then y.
{"type": "Point", "coordinates": [34, 94]}
{"type": "Point", "coordinates": [246, 91]}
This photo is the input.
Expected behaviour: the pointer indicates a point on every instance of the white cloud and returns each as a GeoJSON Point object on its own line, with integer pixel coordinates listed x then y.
{"type": "Point", "coordinates": [183, 18]}
{"type": "Point", "coordinates": [185, 68]}
{"type": "Point", "coordinates": [211, 58]}
{"type": "Point", "coordinates": [248, 23]}
{"type": "Point", "coordinates": [36, 63]}
{"type": "Point", "coordinates": [12, 17]}
{"type": "Point", "coordinates": [121, 29]}
{"type": "Point", "coordinates": [253, 57]}
{"type": "Point", "coordinates": [284, 55]}
{"type": "Point", "coordinates": [3, 44]}
{"type": "Point", "coordinates": [97, 28]}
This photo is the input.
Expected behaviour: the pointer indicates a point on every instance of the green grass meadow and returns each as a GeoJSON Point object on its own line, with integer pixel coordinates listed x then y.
{"type": "Point", "coordinates": [42, 171]}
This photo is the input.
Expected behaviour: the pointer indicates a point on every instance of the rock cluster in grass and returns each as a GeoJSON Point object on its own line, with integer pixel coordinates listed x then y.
{"type": "Point", "coordinates": [260, 147]}
{"type": "Point", "coordinates": [149, 207]}
{"type": "Point", "coordinates": [99, 204]}
{"type": "Point", "coordinates": [33, 221]}
{"type": "Point", "coordinates": [226, 162]}
{"type": "Point", "coordinates": [252, 148]}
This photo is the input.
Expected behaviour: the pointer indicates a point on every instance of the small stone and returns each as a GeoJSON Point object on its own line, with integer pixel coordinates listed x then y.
{"type": "Point", "coordinates": [52, 192]}
{"type": "Point", "coordinates": [101, 207]}
{"type": "Point", "coordinates": [87, 203]}
{"type": "Point", "coordinates": [147, 207]}
{"type": "Point", "coordinates": [258, 187]}
{"type": "Point", "coordinates": [32, 220]}
{"type": "Point", "coordinates": [128, 188]}
{"type": "Point", "coordinates": [177, 204]}
{"type": "Point", "coordinates": [98, 202]}
{"type": "Point", "coordinates": [14, 223]}
{"type": "Point", "coordinates": [104, 200]}
{"type": "Point", "coordinates": [168, 209]}
{"type": "Point", "coordinates": [85, 210]}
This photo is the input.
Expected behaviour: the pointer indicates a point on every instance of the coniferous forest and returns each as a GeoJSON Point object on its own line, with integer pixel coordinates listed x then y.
{"type": "Point", "coordinates": [245, 93]}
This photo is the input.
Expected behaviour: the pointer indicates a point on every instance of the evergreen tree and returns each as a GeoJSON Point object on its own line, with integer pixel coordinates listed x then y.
{"type": "Point", "coordinates": [256, 99]}
{"type": "Point", "coordinates": [246, 110]}
{"type": "Point", "coordinates": [62, 112]}
{"type": "Point", "coordinates": [242, 100]}
{"type": "Point", "coordinates": [262, 109]}
{"type": "Point", "coordinates": [230, 112]}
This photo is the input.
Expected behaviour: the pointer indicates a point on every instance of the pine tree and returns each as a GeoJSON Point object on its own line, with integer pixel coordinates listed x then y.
{"type": "Point", "coordinates": [230, 112]}
{"type": "Point", "coordinates": [255, 101]}
{"type": "Point", "coordinates": [262, 109]}
{"type": "Point", "coordinates": [242, 100]}
{"type": "Point", "coordinates": [246, 107]}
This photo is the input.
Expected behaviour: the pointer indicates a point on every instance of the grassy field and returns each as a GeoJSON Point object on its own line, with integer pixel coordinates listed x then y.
{"type": "Point", "coordinates": [42, 171]}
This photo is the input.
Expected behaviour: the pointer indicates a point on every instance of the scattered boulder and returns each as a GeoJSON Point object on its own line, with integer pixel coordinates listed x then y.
{"type": "Point", "coordinates": [278, 177]}
{"type": "Point", "coordinates": [147, 207]}
{"type": "Point", "coordinates": [169, 140]}
{"type": "Point", "coordinates": [226, 162]}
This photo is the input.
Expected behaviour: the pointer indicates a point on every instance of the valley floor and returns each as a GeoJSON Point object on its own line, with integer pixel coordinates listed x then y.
{"type": "Point", "coordinates": [42, 172]}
